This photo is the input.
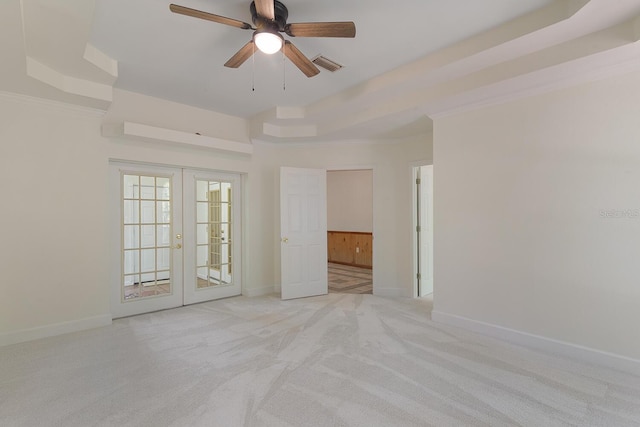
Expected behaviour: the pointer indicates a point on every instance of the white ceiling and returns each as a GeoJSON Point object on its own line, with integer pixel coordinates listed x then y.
{"type": "Point", "coordinates": [181, 58]}
{"type": "Point", "coordinates": [410, 60]}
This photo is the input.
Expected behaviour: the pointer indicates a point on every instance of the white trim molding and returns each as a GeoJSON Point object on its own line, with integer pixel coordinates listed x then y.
{"type": "Point", "coordinates": [389, 292]}
{"type": "Point", "coordinates": [258, 292]}
{"type": "Point", "coordinates": [101, 60]}
{"type": "Point", "coordinates": [68, 84]}
{"type": "Point", "coordinates": [139, 131]}
{"type": "Point", "coordinates": [51, 104]}
{"type": "Point", "coordinates": [55, 329]}
{"type": "Point", "coordinates": [550, 345]}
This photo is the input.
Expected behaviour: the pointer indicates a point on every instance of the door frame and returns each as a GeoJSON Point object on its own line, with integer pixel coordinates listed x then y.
{"type": "Point", "coordinates": [415, 263]}
{"type": "Point", "coordinates": [374, 257]}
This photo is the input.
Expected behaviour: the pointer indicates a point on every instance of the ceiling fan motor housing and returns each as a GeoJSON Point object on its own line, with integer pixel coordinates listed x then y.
{"type": "Point", "coordinates": [281, 15]}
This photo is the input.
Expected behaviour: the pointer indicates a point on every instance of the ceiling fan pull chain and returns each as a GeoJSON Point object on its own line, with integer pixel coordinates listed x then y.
{"type": "Point", "coordinates": [284, 68]}
{"type": "Point", "coordinates": [253, 68]}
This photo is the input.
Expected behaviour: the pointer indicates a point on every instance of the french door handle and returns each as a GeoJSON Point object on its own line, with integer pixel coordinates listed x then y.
{"type": "Point", "coordinates": [178, 246]}
{"type": "Point", "coordinates": [285, 240]}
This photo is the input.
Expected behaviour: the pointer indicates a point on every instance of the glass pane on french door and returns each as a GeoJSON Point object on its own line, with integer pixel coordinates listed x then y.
{"type": "Point", "coordinates": [146, 236]}
{"type": "Point", "coordinates": [212, 221]}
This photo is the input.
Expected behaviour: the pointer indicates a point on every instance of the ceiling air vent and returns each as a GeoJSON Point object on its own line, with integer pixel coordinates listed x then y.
{"type": "Point", "coordinates": [326, 63]}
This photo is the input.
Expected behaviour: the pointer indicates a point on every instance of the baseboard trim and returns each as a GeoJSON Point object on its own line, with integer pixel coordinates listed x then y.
{"type": "Point", "coordinates": [55, 329]}
{"type": "Point", "coordinates": [349, 264]}
{"type": "Point", "coordinates": [389, 292]}
{"type": "Point", "coordinates": [258, 292]}
{"type": "Point", "coordinates": [582, 353]}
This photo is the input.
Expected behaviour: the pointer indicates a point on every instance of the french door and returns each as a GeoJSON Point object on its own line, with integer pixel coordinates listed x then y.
{"type": "Point", "coordinates": [175, 237]}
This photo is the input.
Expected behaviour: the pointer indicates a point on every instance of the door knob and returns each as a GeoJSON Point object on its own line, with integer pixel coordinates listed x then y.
{"type": "Point", "coordinates": [285, 240]}
{"type": "Point", "coordinates": [178, 246]}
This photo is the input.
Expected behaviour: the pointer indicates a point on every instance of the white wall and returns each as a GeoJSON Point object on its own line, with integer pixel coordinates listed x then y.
{"type": "Point", "coordinates": [54, 180]}
{"type": "Point", "coordinates": [521, 240]}
{"type": "Point", "coordinates": [53, 256]}
{"type": "Point", "coordinates": [350, 200]}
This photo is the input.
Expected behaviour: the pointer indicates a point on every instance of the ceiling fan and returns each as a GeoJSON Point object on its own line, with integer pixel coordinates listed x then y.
{"type": "Point", "coordinates": [270, 19]}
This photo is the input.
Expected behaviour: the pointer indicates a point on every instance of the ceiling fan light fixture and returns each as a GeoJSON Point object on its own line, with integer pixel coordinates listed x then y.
{"type": "Point", "coordinates": [270, 19]}
{"type": "Point", "coordinates": [268, 42]}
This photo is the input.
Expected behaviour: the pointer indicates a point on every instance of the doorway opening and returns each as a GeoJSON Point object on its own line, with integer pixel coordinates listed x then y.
{"type": "Point", "coordinates": [423, 230]}
{"type": "Point", "coordinates": [350, 231]}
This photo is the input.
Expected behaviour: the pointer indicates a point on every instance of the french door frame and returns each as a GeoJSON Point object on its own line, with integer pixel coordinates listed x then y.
{"type": "Point", "coordinates": [182, 241]}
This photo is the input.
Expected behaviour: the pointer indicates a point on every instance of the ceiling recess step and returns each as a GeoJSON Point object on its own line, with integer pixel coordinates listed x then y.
{"type": "Point", "coordinates": [327, 63]}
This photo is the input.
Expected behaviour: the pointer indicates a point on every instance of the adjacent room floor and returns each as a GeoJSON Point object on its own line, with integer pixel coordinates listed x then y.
{"type": "Point", "coordinates": [350, 280]}
{"type": "Point", "coordinates": [334, 360]}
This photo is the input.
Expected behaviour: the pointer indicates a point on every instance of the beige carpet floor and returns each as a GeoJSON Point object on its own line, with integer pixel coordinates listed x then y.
{"type": "Point", "coordinates": [334, 360]}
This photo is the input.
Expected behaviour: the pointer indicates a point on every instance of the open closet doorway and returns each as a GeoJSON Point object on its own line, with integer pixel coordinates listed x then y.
{"type": "Point", "coordinates": [423, 230]}
{"type": "Point", "coordinates": [350, 231]}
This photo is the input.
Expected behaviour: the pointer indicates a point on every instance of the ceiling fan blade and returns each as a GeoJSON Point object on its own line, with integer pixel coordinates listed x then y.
{"type": "Point", "coordinates": [321, 29]}
{"type": "Point", "coordinates": [300, 61]}
{"type": "Point", "coordinates": [182, 10]}
{"type": "Point", "coordinates": [266, 9]}
{"type": "Point", "coordinates": [242, 55]}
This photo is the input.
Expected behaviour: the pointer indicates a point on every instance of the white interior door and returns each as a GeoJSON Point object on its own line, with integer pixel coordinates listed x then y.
{"type": "Point", "coordinates": [303, 227]}
{"type": "Point", "coordinates": [176, 237]}
{"type": "Point", "coordinates": [426, 230]}
{"type": "Point", "coordinates": [212, 236]}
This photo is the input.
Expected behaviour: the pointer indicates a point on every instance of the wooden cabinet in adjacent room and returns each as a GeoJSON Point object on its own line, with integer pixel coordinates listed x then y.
{"type": "Point", "coordinates": [350, 248]}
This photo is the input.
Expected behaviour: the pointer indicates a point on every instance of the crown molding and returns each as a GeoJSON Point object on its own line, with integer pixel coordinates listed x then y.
{"type": "Point", "coordinates": [48, 103]}
{"type": "Point", "coordinates": [534, 84]}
